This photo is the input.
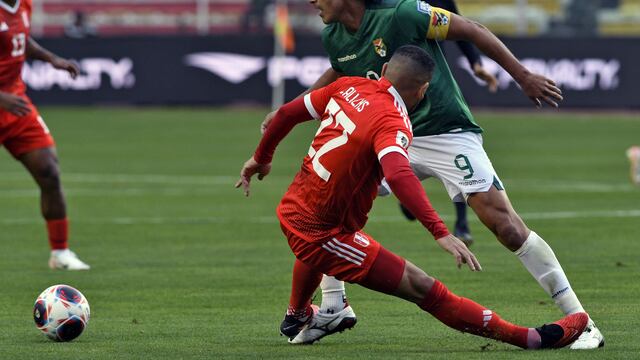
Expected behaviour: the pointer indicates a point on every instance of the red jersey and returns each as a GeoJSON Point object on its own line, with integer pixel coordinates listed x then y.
{"type": "Point", "coordinates": [15, 23]}
{"type": "Point", "coordinates": [361, 121]}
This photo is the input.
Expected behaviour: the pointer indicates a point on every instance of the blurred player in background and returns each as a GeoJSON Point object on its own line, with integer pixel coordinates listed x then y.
{"type": "Point", "coordinates": [461, 228]}
{"type": "Point", "coordinates": [633, 154]}
{"type": "Point", "coordinates": [365, 134]}
{"type": "Point", "coordinates": [360, 36]}
{"type": "Point", "coordinates": [23, 132]}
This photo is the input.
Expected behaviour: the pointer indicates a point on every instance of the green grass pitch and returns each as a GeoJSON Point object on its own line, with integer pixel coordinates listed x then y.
{"type": "Point", "coordinates": [183, 266]}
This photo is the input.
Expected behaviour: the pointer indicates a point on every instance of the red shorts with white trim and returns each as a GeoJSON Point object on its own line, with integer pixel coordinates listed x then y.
{"type": "Point", "coordinates": [23, 134]}
{"type": "Point", "coordinates": [347, 256]}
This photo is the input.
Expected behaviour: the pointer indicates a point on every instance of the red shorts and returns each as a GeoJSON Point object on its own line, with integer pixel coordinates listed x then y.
{"type": "Point", "coordinates": [347, 256]}
{"type": "Point", "coordinates": [22, 134]}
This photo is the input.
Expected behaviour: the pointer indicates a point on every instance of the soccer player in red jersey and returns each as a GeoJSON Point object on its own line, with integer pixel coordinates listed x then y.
{"type": "Point", "coordinates": [23, 132]}
{"type": "Point", "coordinates": [363, 136]}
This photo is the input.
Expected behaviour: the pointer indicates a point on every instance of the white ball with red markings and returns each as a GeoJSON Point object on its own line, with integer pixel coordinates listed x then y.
{"type": "Point", "coordinates": [61, 312]}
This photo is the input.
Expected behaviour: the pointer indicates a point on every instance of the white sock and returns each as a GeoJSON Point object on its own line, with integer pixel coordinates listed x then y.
{"type": "Point", "coordinates": [334, 298]}
{"type": "Point", "coordinates": [541, 262]}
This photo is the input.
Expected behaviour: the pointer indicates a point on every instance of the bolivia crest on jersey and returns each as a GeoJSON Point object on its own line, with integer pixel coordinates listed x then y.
{"type": "Point", "coordinates": [380, 47]}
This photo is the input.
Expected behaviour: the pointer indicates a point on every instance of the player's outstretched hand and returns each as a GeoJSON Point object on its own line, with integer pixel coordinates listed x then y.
{"type": "Point", "coordinates": [14, 104]}
{"type": "Point", "coordinates": [482, 74]}
{"type": "Point", "coordinates": [64, 64]}
{"type": "Point", "coordinates": [539, 88]}
{"type": "Point", "coordinates": [267, 121]}
{"type": "Point", "coordinates": [459, 250]}
{"type": "Point", "coordinates": [250, 168]}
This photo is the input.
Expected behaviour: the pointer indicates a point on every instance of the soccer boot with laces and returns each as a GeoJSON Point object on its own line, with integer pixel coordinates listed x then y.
{"type": "Point", "coordinates": [563, 332]}
{"type": "Point", "coordinates": [323, 324]}
{"type": "Point", "coordinates": [291, 325]}
{"type": "Point", "coordinates": [591, 338]}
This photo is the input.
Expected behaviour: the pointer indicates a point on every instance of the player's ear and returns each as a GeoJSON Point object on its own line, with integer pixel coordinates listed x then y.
{"type": "Point", "coordinates": [384, 69]}
{"type": "Point", "coordinates": [423, 90]}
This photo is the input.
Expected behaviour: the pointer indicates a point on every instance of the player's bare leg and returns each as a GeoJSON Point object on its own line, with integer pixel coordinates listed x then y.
{"type": "Point", "coordinates": [43, 166]}
{"type": "Point", "coordinates": [495, 210]}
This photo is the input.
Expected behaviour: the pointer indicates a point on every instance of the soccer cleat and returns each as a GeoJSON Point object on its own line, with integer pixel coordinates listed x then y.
{"type": "Point", "coordinates": [291, 325]}
{"type": "Point", "coordinates": [323, 324]}
{"type": "Point", "coordinates": [633, 153]}
{"type": "Point", "coordinates": [461, 231]}
{"type": "Point", "coordinates": [591, 338]}
{"type": "Point", "coordinates": [66, 260]}
{"type": "Point", "coordinates": [563, 332]}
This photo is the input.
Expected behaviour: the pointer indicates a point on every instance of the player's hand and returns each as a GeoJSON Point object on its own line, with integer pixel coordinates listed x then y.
{"type": "Point", "coordinates": [459, 250]}
{"type": "Point", "coordinates": [482, 74]}
{"type": "Point", "coordinates": [539, 88]}
{"type": "Point", "coordinates": [14, 104]}
{"type": "Point", "coordinates": [267, 121]}
{"type": "Point", "coordinates": [68, 66]}
{"type": "Point", "coordinates": [250, 168]}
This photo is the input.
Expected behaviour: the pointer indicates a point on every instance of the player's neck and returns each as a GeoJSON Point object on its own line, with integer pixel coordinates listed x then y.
{"type": "Point", "coordinates": [352, 16]}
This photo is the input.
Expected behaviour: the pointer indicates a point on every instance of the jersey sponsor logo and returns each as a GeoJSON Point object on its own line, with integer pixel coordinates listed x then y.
{"type": "Point", "coordinates": [424, 7]}
{"type": "Point", "coordinates": [354, 99]}
{"type": "Point", "coordinates": [4, 27]}
{"type": "Point", "coordinates": [347, 58]}
{"type": "Point", "coordinates": [232, 67]}
{"type": "Point", "coordinates": [361, 240]}
{"type": "Point", "coordinates": [380, 47]}
{"type": "Point", "coordinates": [402, 140]}
{"type": "Point", "coordinates": [472, 182]}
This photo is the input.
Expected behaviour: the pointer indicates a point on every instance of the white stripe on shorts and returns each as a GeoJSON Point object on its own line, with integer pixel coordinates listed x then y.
{"type": "Point", "coordinates": [349, 247]}
{"type": "Point", "coordinates": [324, 246]}
{"type": "Point", "coordinates": [346, 252]}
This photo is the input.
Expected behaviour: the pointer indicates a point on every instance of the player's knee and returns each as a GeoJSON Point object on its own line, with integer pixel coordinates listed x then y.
{"type": "Point", "coordinates": [419, 282]}
{"type": "Point", "coordinates": [512, 233]}
{"type": "Point", "coordinates": [48, 176]}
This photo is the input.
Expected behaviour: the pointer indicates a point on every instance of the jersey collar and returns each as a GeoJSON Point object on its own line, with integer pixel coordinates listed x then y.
{"type": "Point", "coordinates": [9, 8]}
{"type": "Point", "coordinates": [387, 84]}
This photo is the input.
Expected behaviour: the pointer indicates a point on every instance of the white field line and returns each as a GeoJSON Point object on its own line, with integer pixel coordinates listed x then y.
{"type": "Point", "coordinates": [558, 215]}
{"type": "Point", "coordinates": [192, 182]}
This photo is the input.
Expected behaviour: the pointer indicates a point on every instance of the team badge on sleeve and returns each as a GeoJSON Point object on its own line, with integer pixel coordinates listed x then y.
{"type": "Point", "coordinates": [424, 7]}
{"type": "Point", "coordinates": [402, 140]}
{"type": "Point", "coordinates": [439, 20]}
{"type": "Point", "coordinates": [380, 47]}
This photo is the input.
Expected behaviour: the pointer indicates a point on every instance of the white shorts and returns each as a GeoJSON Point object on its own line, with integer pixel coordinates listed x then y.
{"type": "Point", "coordinates": [457, 159]}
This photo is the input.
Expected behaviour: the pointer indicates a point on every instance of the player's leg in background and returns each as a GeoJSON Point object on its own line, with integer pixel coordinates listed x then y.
{"type": "Point", "coordinates": [42, 164]}
{"type": "Point", "coordinates": [461, 229]}
{"type": "Point", "coordinates": [461, 313]}
{"type": "Point", "coordinates": [495, 210]}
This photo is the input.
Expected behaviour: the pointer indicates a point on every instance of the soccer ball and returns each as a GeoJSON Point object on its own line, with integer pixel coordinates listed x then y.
{"type": "Point", "coordinates": [61, 312]}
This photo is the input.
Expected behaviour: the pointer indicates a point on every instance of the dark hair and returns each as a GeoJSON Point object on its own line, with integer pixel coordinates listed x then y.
{"type": "Point", "coordinates": [421, 63]}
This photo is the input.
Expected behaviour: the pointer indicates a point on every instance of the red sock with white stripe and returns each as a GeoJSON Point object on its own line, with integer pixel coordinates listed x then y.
{"type": "Point", "coordinates": [304, 283]}
{"type": "Point", "coordinates": [467, 316]}
{"type": "Point", "coordinates": [58, 231]}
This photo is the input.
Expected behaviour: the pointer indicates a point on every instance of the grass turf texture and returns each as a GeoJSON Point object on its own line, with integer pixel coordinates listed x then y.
{"type": "Point", "coordinates": [183, 266]}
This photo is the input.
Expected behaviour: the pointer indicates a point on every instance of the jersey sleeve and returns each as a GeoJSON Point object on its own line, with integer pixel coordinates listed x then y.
{"type": "Point", "coordinates": [317, 100]}
{"type": "Point", "coordinates": [393, 135]}
{"type": "Point", "coordinates": [420, 18]}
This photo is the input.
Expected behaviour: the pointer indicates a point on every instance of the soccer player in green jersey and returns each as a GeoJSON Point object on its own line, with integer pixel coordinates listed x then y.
{"type": "Point", "coordinates": [360, 37]}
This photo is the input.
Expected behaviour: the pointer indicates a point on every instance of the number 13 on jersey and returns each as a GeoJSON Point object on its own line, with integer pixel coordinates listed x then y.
{"type": "Point", "coordinates": [336, 117]}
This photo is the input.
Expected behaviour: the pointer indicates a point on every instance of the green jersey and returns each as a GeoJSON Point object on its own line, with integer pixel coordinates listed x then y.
{"type": "Point", "coordinates": [385, 28]}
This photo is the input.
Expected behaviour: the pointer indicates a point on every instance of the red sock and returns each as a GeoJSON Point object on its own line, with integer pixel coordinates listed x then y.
{"type": "Point", "coordinates": [58, 233]}
{"type": "Point", "coordinates": [467, 316]}
{"type": "Point", "coordinates": [305, 281]}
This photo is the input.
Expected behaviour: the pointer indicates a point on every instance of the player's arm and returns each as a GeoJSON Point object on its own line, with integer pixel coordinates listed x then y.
{"type": "Point", "coordinates": [35, 51]}
{"type": "Point", "coordinates": [286, 118]}
{"type": "Point", "coordinates": [407, 188]}
{"type": "Point", "coordinates": [325, 79]}
{"type": "Point", "coordinates": [537, 87]}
